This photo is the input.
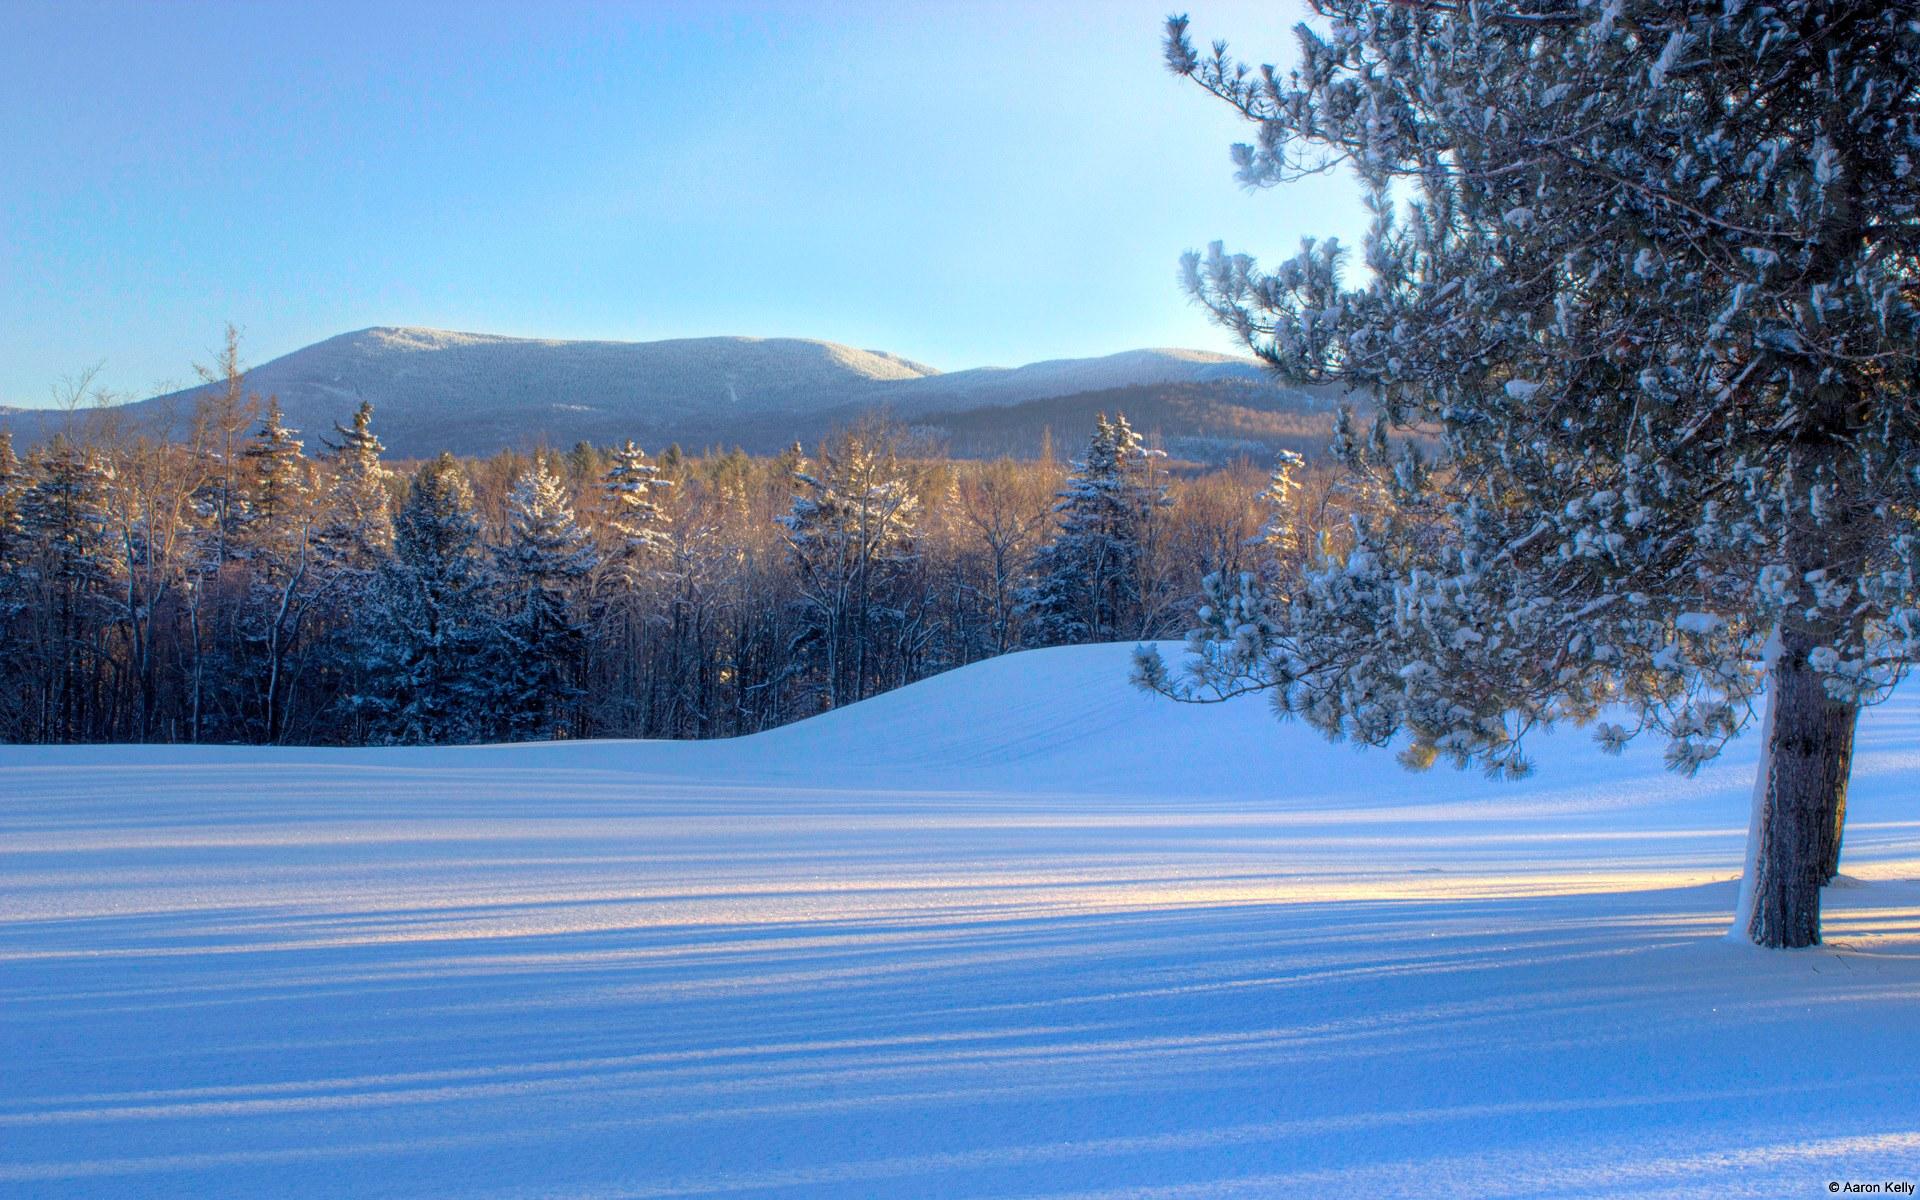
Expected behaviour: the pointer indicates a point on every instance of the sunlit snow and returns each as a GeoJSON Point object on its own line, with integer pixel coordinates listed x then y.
{"type": "Point", "coordinates": [1014, 931]}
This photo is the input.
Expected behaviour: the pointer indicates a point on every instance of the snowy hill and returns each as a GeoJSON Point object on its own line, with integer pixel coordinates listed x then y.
{"type": "Point", "coordinates": [984, 387]}
{"type": "Point", "coordinates": [1017, 930]}
{"type": "Point", "coordinates": [476, 393]}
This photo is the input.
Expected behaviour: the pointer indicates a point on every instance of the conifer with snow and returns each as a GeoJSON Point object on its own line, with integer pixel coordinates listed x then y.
{"type": "Point", "coordinates": [12, 483]}
{"type": "Point", "coordinates": [1657, 290]}
{"type": "Point", "coordinates": [849, 536]}
{"type": "Point", "coordinates": [1089, 582]}
{"type": "Point", "coordinates": [357, 525]}
{"type": "Point", "coordinates": [276, 483]}
{"type": "Point", "coordinates": [63, 519]}
{"type": "Point", "coordinates": [540, 569]}
{"type": "Point", "coordinates": [66, 565]}
{"type": "Point", "coordinates": [1280, 531]}
{"type": "Point", "coordinates": [430, 643]}
{"type": "Point", "coordinates": [12, 548]}
{"type": "Point", "coordinates": [633, 513]}
{"type": "Point", "coordinates": [277, 537]}
{"type": "Point", "coordinates": [1284, 534]}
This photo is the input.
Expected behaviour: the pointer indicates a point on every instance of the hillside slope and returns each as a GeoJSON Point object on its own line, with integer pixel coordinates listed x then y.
{"type": "Point", "coordinates": [1016, 930]}
{"type": "Point", "coordinates": [470, 393]}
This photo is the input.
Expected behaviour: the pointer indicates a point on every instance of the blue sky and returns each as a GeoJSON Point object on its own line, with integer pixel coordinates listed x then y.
{"type": "Point", "coordinates": [962, 183]}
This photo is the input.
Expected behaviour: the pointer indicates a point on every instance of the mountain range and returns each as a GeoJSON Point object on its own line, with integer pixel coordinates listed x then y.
{"type": "Point", "coordinates": [472, 393]}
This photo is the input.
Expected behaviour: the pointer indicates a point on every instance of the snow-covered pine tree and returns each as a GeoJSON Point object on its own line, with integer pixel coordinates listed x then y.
{"type": "Point", "coordinates": [541, 566]}
{"type": "Point", "coordinates": [13, 644]}
{"type": "Point", "coordinates": [276, 539]}
{"type": "Point", "coordinates": [1090, 582]}
{"type": "Point", "coordinates": [639, 564]}
{"type": "Point", "coordinates": [67, 565]}
{"type": "Point", "coordinates": [429, 642]}
{"type": "Point", "coordinates": [353, 536]}
{"type": "Point", "coordinates": [356, 527]}
{"type": "Point", "coordinates": [12, 483]}
{"type": "Point", "coordinates": [1655, 284]}
{"type": "Point", "coordinates": [633, 514]}
{"type": "Point", "coordinates": [275, 481]}
{"type": "Point", "coordinates": [1280, 532]}
{"type": "Point", "coordinates": [850, 539]}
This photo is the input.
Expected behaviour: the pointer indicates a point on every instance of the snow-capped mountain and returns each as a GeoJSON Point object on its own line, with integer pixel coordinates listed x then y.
{"type": "Point", "coordinates": [475, 393]}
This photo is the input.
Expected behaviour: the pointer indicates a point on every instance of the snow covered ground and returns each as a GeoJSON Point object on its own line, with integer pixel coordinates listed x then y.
{"type": "Point", "coordinates": [1016, 931]}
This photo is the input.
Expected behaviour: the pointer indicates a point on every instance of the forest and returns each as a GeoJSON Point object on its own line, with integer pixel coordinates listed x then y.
{"type": "Point", "coordinates": [253, 583]}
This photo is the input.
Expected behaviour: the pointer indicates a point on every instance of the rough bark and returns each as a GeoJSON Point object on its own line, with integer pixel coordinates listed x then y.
{"type": "Point", "coordinates": [1807, 756]}
{"type": "Point", "coordinates": [1841, 721]}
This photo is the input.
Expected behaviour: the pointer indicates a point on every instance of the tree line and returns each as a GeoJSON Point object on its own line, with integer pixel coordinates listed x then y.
{"type": "Point", "coordinates": [245, 584]}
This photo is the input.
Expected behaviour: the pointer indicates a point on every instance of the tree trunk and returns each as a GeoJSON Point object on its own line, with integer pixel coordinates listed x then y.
{"type": "Point", "coordinates": [1842, 719]}
{"type": "Point", "coordinates": [1798, 803]}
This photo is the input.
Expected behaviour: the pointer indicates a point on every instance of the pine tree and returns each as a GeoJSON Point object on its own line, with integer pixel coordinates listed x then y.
{"type": "Point", "coordinates": [357, 527]}
{"type": "Point", "coordinates": [639, 566]}
{"type": "Point", "coordinates": [13, 598]}
{"type": "Point", "coordinates": [634, 516]}
{"type": "Point", "coordinates": [541, 566]}
{"type": "Point", "coordinates": [1656, 289]}
{"type": "Point", "coordinates": [276, 485]}
{"type": "Point", "coordinates": [850, 539]}
{"type": "Point", "coordinates": [282, 585]}
{"type": "Point", "coordinates": [1281, 532]}
{"type": "Point", "coordinates": [68, 565]}
{"type": "Point", "coordinates": [353, 537]}
{"type": "Point", "coordinates": [12, 483]}
{"type": "Point", "coordinates": [1090, 581]}
{"type": "Point", "coordinates": [429, 643]}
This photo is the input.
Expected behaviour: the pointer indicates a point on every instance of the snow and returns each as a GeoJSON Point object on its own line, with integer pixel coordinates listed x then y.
{"type": "Point", "coordinates": [1699, 624]}
{"type": "Point", "coordinates": [1014, 931]}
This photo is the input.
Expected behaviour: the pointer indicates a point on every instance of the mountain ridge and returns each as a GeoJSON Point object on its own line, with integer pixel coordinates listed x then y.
{"type": "Point", "coordinates": [475, 393]}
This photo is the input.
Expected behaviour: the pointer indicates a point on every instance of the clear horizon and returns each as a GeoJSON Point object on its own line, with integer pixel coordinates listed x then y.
{"type": "Point", "coordinates": [963, 186]}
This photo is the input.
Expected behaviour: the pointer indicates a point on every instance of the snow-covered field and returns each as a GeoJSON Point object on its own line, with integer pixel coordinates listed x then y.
{"type": "Point", "coordinates": [1016, 931]}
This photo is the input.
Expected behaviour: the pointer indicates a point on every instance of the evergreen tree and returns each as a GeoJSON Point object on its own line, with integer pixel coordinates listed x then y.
{"type": "Point", "coordinates": [1090, 582]}
{"type": "Point", "coordinates": [583, 463]}
{"type": "Point", "coordinates": [11, 484]}
{"type": "Point", "coordinates": [68, 565]}
{"type": "Point", "coordinates": [1656, 289]}
{"type": "Point", "coordinates": [353, 536]}
{"type": "Point", "coordinates": [640, 564]}
{"type": "Point", "coordinates": [276, 485]}
{"type": "Point", "coordinates": [634, 515]}
{"type": "Point", "coordinates": [429, 642]}
{"type": "Point", "coordinates": [282, 584]}
{"type": "Point", "coordinates": [850, 539]}
{"type": "Point", "coordinates": [356, 529]}
{"type": "Point", "coordinates": [541, 566]}
{"type": "Point", "coordinates": [1281, 531]}
{"type": "Point", "coordinates": [13, 597]}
